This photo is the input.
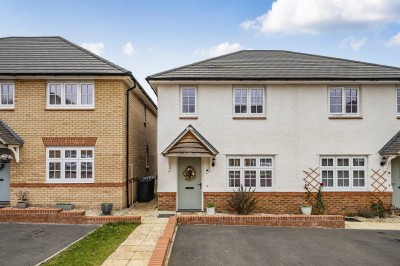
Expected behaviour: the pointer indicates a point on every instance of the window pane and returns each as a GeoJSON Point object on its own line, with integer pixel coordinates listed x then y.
{"type": "Point", "coordinates": [55, 94]}
{"type": "Point", "coordinates": [358, 178]}
{"type": "Point", "coordinates": [70, 170]}
{"type": "Point", "coordinates": [335, 100]}
{"type": "Point", "coordinates": [265, 162]}
{"type": "Point", "coordinates": [327, 178]}
{"type": "Point", "coordinates": [70, 153]}
{"type": "Point", "coordinates": [71, 94]}
{"type": "Point", "coordinates": [358, 162]}
{"type": "Point", "coordinates": [54, 154]}
{"type": "Point", "coordinates": [250, 162]}
{"type": "Point", "coordinates": [343, 178]}
{"type": "Point", "coordinates": [54, 170]}
{"type": "Point", "coordinates": [342, 162]}
{"type": "Point", "coordinates": [351, 101]}
{"type": "Point", "coordinates": [256, 100]}
{"type": "Point", "coordinates": [327, 162]}
{"type": "Point", "coordinates": [188, 100]}
{"type": "Point", "coordinates": [240, 100]}
{"type": "Point", "coordinates": [234, 162]}
{"type": "Point", "coordinates": [86, 154]}
{"type": "Point", "coordinates": [250, 178]}
{"type": "Point", "coordinates": [234, 178]}
{"type": "Point", "coordinates": [7, 94]}
{"type": "Point", "coordinates": [265, 178]}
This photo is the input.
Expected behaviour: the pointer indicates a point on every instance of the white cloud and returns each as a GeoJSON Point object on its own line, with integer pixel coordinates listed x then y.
{"type": "Point", "coordinates": [394, 41]}
{"type": "Point", "coordinates": [354, 43]}
{"type": "Point", "coordinates": [94, 47]}
{"type": "Point", "coordinates": [314, 16]}
{"type": "Point", "coordinates": [129, 49]}
{"type": "Point", "coordinates": [220, 49]}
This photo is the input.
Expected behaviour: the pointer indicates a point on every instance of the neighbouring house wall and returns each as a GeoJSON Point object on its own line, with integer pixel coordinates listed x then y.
{"type": "Point", "coordinates": [142, 132]}
{"type": "Point", "coordinates": [32, 121]}
{"type": "Point", "coordinates": [297, 130]}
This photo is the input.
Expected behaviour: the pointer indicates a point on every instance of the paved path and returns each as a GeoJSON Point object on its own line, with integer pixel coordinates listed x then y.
{"type": "Point", "coordinates": [373, 225]}
{"type": "Point", "coordinates": [139, 246]}
{"type": "Point", "coordinates": [29, 244]}
{"type": "Point", "coordinates": [239, 245]}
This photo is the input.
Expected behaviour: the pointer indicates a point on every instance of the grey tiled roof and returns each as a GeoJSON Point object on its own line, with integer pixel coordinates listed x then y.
{"type": "Point", "coordinates": [51, 55]}
{"type": "Point", "coordinates": [392, 147]}
{"type": "Point", "coordinates": [278, 65]}
{"type": "Point", "coordinates": [8, 136]}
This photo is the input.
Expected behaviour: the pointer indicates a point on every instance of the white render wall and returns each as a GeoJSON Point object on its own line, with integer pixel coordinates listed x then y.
{"type": "Point", "coordinates": [297, 130]}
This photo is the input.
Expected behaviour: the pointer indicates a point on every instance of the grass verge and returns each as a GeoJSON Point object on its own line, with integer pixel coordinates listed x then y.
{"type": "Point", "coordinates": [96, 247]}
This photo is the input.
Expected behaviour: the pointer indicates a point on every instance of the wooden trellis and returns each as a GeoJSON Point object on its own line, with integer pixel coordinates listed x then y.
{"type": "Point", "coordinates": [378, 183]}
{"type": "Point", "coordinates": [311, 182]}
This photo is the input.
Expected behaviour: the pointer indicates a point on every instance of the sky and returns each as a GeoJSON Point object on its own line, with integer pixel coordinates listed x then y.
{"type": "Point", "coordinates": [147, 37]}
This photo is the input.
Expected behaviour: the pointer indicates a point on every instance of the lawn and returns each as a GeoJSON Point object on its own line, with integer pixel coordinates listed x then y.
{"type": "Point", "coordinates": [95, 247]}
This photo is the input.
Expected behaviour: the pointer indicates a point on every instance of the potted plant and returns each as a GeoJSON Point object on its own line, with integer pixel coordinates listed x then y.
{"type": "Point", "coordinates": [22, 199]}
{"type": "Point", "coordinates": [306, 208]}
{"type": "Point", "coordinates": [210, 208]}
{"type": "Point", "coordinates": [65, 206]}
{"type": "Point", "coordinates": [4, 158]}
{"type": "Point", "coordinates": [106, 208]}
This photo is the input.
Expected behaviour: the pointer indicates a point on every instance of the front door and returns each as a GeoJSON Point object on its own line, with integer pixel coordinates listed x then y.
{"type": "Point", "coordinates": [396, 182]}
{"type": "Point", "coordinates": [189, 185]}
{"type": "Point", "coordinates": [5, 183]}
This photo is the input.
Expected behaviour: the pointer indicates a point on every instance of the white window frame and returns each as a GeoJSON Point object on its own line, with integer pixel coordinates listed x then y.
{"type": "Point", "coordinates": [258, 168]}
{"type": "Point", "coordinates": [63, 84]}
{"type": "Point", "coordinates": [181, 99]}
{"type": "Point", "coordinates": [7, 106]}
{"type": "Point", "coordinates": [248, 104]}
{"type": "Point", "coordinates": [335, 168]}
{"type": "Point", "coordinates": [62, 160]}
{"type": "Point", "coordinates": [343, 111]}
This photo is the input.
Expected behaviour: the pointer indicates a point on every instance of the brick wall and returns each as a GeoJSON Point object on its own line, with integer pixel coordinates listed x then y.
{"type": "Point", "coordinates": [142, 132]}
{"type": "Point", "coordinates": [166, 201]}
{"type": "Point", "coordinates": [290, 202]}
{"type": "Point", "coordinates": [286, 202]}
{"type": "Point", "coordinates": [32, 122]}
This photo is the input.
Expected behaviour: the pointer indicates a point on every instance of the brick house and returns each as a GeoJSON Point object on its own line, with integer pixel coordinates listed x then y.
{"type": "Point", "coordinates": [80, 129]}
{"type": "Point", "coordinates": [267, 119]}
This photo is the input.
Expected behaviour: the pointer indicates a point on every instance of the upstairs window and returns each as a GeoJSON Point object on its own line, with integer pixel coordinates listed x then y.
{"type": "Point", "coordinates": [70, 95]}
{"type": "Point", "coordinates": [398, 99]}
{"type": "Point", "coordinates": [6, 95]}
{"type": "Point", "coordinates": [343, 100]}
{"type": "Point", "coordinates": [188, 100]}
{"type": "Point", "coordinates": [248, 100]}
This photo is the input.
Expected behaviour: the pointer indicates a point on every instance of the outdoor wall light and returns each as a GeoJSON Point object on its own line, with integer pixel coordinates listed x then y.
{"type": "Point", "coordinates": [383, 162]}
{"type": "Point", "coordinates": [213, 162]}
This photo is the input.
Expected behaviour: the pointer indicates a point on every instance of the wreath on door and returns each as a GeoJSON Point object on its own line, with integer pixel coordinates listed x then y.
{"type": "Point", "coordinates": [189, 173]}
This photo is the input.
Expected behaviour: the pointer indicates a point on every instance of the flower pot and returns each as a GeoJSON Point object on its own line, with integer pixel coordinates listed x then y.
{"type": "Point", "coordinates": [306, 210]}
{"type": "Point", "coordinates": [211, 211]}
{"type": "Point", "coordinates": [65, 206]}
{"type": "Point", "coordinates": [21, 205]}
{"type": "Point", "coordinates": [106, 208]}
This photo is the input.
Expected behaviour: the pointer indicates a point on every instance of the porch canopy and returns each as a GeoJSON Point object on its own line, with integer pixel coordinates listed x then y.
{"type": "Point", "coordinates": [10, 140]}
{"type": "Point", "coordinates": [190, 143]}
{"type": "Point", "coordinates": [392, 147]}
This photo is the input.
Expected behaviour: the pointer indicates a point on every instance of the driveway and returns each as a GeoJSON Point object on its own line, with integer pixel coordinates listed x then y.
{"type": "Point", "coordinates": [29, 244]}
{"type": "Point", "coordinates": [239, 245]}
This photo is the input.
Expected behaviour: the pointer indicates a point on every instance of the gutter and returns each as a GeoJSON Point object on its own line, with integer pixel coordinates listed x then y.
{"type": "Point", "coordinates": [127, 142]}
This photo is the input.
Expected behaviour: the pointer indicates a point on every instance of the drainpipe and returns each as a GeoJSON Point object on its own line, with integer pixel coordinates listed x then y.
{"type": "Point", "coordinates": [127, 142]}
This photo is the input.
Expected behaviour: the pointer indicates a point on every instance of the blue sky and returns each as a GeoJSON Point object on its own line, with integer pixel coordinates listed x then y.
{"type": "Point", "coordinates": [150, 36]}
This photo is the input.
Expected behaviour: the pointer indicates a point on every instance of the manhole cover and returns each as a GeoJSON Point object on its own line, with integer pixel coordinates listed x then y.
{"type": "Point", "coordinates": [165, 215]}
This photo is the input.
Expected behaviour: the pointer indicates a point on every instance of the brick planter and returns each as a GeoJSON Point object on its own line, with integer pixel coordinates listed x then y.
{"type": "Point", "coordinates": [58, 216]}
{"type": "Point", "coordinates": [315, 221]}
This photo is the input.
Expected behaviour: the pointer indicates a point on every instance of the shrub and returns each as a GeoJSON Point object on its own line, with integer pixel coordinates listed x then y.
{"type": "Point", "coordinates": [243, 201]}
{"type": "Point", "coordinates": [381, 209]}
{"type": "Point", "coordinates": [366, 214]}
{"type": "Point", "coordinates": [320, 207]}
{"type": "Point", "coordinates": [211, 205]}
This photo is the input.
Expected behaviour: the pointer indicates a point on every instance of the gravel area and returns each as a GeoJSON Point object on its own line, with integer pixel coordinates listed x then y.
{"type": "Point", "coordinates": [391, 219]}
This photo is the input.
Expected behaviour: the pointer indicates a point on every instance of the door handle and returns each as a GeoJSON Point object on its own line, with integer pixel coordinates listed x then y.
{"type": "Point", "coordinates": [199, 185]}
{"type": "Point", "coordinates": [2, 179]}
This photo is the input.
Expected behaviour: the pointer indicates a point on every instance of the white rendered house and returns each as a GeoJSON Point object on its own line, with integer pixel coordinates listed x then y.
{"type": "Point", "coordinates": [266, 118]}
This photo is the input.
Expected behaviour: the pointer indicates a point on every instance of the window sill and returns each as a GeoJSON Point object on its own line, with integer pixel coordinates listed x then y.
{"type": "Point", "coordinates": [345, 117]}
{"type": "Point", "coordinates": [69, 109]}
{"type": "Point", "coordinates": [249, 118]}
{"type": "Point", "coordinates": [188, 117]}
{"type": "Point", "coordinates": [70, 183]}
{"type": "Point", "coordinates": [7, 108]}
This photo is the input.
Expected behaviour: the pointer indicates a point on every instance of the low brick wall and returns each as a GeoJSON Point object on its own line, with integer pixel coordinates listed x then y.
{"type": "Point", "coordinates": [160, 252]}
{"type": "Point", "coordinates": [166, 201]}
{"type": "Point", "coordinates": [58, 216]}
{"type": "Point", "coordinates": [314, 221]}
